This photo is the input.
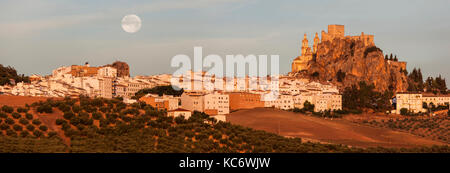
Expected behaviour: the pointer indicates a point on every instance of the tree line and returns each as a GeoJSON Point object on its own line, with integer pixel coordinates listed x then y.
{"type": "Point", "coordinates": [160, 90]}
{"type": "Point", "coordinates": [8, 75]}
{"type": "Point", "coordinates": [363, 96]}
{"type": "Point", "coordinates": [433, 85]}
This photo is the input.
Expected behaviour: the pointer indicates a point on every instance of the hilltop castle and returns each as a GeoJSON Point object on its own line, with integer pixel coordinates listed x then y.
{"type": "Point", "coordinates": [334, 32]}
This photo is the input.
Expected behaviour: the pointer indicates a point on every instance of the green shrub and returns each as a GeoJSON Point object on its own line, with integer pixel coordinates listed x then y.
{"type": "Point", "coordinates": [96, 115]}
{"type": "Point", "coordinates": [104, 109]}
{"type": "Point", "coordinates": [86, 121]}
{"type": "Point", "coordinates": [75, 121]}
{"type": "Point", "coordinates": [45, 108]}
{"type": "Point", "coordinates": [36, 122]}
{"type": "Point", "coordinates": [17, 127]}
{"type": "Point", "coordinates": [43, 128]}
{"type": "Point", "coordinates": [11, 133]}
{"type": "Point", "coordinates": [29, 116]}
{"type": "Point", "coordinates": [37, 133]}
{"type": "Point", "coordinates": [89, 109]}
{"type": "Point", "coordinates": [180, 120]}
{"type": "Point", "coordinates": [371, 49]}
{"type": "Point", "coordinates": [52, 133]}
{"type": "Point", "coordinates": [4, 126]}
{"type": "Point", "coordinates": [24, 134]}
{"type": "Point", "coordinates": [22, 110]}
{"type": "Point", "coordinates": [60, 121]}
{"type": "Point", "coordinates": [9, 121]}
{"type": "Point", "coordinates": [76, 108]}
{"type": "Point", "coordinates": [64, 108]}
{"type": "Point", "coordinates": [403, 111]}
{"type": "Point", "coordinates": [3, 115]}
{"type": "Point", "coordinates": [65, 126]}
{"type": "Point", "coordinates": [307, 106]}
{"type": "Point", "coordinates": [23, 121]}
{"type": "Point", "coordinates": [80, 127]}
{"type": "Point", "coordinates": [217, 136]}
{"type": "Point", "coordinates": [111, 116]}
{"type": "Point", "coordinates": [30, 127]}
{"type": "Point", "coordinates": [68, 115]}
{"type": "Point", "coordinates": [16, 115]}
{"type": "Point", "coordinates": [83, 115]}
{"type": "Point", "coordinates": [70, 132]}
{"type": "Point", "coordinates": [7, 109]}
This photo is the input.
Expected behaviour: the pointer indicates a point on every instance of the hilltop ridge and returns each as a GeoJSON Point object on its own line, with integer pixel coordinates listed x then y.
{"type": "Point", "coordinates": [348, 60]}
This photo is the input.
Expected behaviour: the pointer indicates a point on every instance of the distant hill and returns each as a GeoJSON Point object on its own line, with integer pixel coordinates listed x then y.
{"type": "Point", "coordinates": [8, 75]}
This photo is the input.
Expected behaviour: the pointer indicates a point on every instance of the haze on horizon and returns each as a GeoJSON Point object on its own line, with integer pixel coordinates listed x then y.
{"type": "Point", "coordinates": [37, 36]}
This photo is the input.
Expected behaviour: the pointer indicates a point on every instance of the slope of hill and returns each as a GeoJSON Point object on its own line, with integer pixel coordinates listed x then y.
{"type": "Point", "coordinates": [337, 131]}
{"type": "Point", "coordinates": [102, 125]}
{"type": "Point", "coordinates": [346, 62]}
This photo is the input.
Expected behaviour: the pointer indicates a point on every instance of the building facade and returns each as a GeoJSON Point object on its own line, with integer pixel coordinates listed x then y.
{"type": "Point", "coordinates": [414, 102]}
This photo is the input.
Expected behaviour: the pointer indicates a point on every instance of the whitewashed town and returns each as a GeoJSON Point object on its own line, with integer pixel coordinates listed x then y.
{"type": "Point", "coordinates": [111, 81]}
{"type": "Point", "coordinates": [105, 82]}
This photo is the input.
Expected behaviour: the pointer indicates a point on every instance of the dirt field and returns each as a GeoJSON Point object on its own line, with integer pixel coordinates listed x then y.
{"type": "Point", "coordinates": [16, 101]}
{"type": "Point", "coordinates": [337, 131]}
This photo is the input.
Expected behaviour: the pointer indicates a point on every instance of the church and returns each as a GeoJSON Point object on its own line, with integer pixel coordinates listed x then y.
{"type": "Point", "coordinates": [301, 62]}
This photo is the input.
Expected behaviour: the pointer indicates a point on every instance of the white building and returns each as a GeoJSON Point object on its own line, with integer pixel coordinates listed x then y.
{"type": "Point", "coordinates": [284, 102]}
{"type": "Point", "coordinates": [167, 102]}
{"type": "Point", "coordinates": [180, 112]}
{"type": "Point", "coordinates": [106, 87]}
{"type": "Point", "coordinates": [217, 101]}
{"type": "Point", "coordinates": [193, 101]}
{"type": "Point", "coordinates": [414, 102]}
{"type": "Point", "coordinates": [110, 72]}
{"type": "Point", "coordinates": [213, 102]}
{"type": "Point", "coordinates": [410, 101]}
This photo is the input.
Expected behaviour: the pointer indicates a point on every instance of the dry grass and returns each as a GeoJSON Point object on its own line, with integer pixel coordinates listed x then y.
{"type": "Point", "coordinates": [337, 131]}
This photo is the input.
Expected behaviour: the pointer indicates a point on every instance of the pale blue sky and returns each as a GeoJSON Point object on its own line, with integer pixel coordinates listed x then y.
{"type": "Point", "coordinates": [37, 36]}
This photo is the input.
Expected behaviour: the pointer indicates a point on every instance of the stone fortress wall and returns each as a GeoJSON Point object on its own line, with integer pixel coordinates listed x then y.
{"type": "Point", "coordinates": [334, 31]}
{"type": "Point", "coordinates": [338, 31]}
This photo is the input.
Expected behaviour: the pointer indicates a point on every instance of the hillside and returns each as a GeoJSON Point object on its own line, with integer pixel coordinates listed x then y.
{"type": "Point", "coordinates": [346, 62]}
{"type": "Point", "coordinates": [102, 125]}
{"type": "Point", "coordinates": [336, 131]}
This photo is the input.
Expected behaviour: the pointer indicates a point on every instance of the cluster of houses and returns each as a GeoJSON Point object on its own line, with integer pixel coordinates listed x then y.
{"type": "Point", "coordinates": [288, 93]}
{"type": "Point", "coordinates": [78, 80]}
{"type": "Point", "coordinates": [282, 92]}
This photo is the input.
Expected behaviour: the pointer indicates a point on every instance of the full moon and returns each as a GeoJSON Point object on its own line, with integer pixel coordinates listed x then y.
{"type": "Point", "coordinates": [131, 23]}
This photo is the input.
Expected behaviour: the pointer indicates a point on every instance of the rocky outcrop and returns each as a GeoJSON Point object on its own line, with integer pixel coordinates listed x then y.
{"type": "Point", "coordinates": [122, 68]}
{"type": "Point", "coordinates": [346, 62]}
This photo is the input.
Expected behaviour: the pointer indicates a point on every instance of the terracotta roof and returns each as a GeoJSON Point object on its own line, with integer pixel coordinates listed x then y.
{"type": "Point", "coordinates": [434, 95]}
{"type": "Point", "coordinates": [180, 109]}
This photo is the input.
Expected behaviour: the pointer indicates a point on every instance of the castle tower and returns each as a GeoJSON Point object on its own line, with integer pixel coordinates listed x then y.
{"type": "Point", "coordinates": [316, 43]}
{"type": "Point", "coordinates": [305, 45]}
{"type": "Point", "coordinates": [336, 31]}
